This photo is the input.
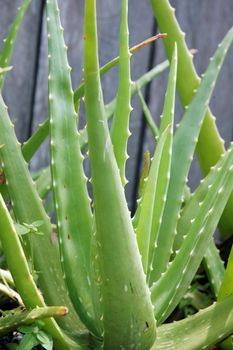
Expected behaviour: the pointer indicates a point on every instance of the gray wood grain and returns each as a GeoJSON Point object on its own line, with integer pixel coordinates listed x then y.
{"type": "Point", "coordinates": [18, 88]}
{"type": "Point", "coordinates": [205, 24]}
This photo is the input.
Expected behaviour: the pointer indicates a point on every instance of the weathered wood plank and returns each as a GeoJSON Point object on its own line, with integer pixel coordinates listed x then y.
{"type": "Point", "coordinates": [18, 90]}
{"type": "Point", "coordinates": [205, 24]}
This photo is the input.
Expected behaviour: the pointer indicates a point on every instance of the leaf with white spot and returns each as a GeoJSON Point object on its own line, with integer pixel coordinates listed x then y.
{"type": "Point", "coordinates": [72, 204]}
{"type": "Point", "coordinates": [169, 289]}
{"type": "Point", "coordinates": [124, 313]}
{"type": "Point", "coordinates": [184, 144]}
{"type": "Point", "coordinates": [150, 195]}
{"type": "Point", "coordinates": [200, 331]}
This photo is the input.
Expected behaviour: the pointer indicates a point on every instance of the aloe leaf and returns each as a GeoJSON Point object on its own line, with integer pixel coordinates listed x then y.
{"type": "Point", "coordinates": [28, 208]}
{"type": "Point", "coordinates": [185, 141]}
{"type": "Point", "coordinates": [210, 145]}
{"type": "Point", "coordinates": [182, 269]}
{"type": "Point", "coordinates": [167, 118]}
{"type": "Point", "coordinates": [127, 308]}
{"type": "Point", "coordinates": [214, 267]}
{"type": "Point", "coordinates": [152, 203]}
{"type": "Point", "coordinates": [30, 147]}
{"type": "Point", "coordinates": [24, 317]}
{"type": "Point", "coordinates": [141, 187]}
{"type": "Point", "coordinates": [44, 183]}
{"type": "Point", "coordinates": [74, 218]}
{"type": "Point", "coordinates": [33, 143]}
{"type": "Point", "coordinates": [120, 124]}
{"type": "Point", "coordinates": [200, 331]}
{"type": "Point", "coordinates": [165, 163]}
{"type": "Point", "coordinates": [9, 42]}
{"type": "Point", "coordinates": [226, 289]}
{"type": "Point", "coordinates": [24, 282]}
{"type": "Point", "coordinates": [146, 111]}
{"type": "Point", "coordinates": [212, 262]}
{"type": "Point", "coordinates": [104, 69]}
{"type": "Point", "coordinates": [144, 174]}
{"type": "Point", "coordinates": [144, 227]}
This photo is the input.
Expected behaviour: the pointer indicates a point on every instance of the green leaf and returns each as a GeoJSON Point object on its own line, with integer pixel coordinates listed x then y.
{"type": "Point", "coordinates": [33, 143]}
{"type": "Point", "coordinates": [120, 124]}
{"type": "Point", "coordinates": [72, 203]}
{"type": "Point", "coordinates": [169, 289]}
{"type": "Point", "coordinates": [126, 300]}
{"type": "Point", "coordinates": [147, 203]}
{"type": "Point", "coordinates": [12, 346]}
{"type": "Point", "coordinates": [28, 208]}
{"type": "Point", "coordinates": [45, 340]}
{"type": "Point", "coordinates": [25, 284]}
{"type": "Point", "coordinates": [210, 145]}
{"type": "Point", "coordinates": [206, 328]}
{"type": "Point", "coordinates": [167, 119]}
{"type": "Point", "coordinates": [37, 223]}
{"type": "Point", "coordinates": [147, 115]}
{"type": "Point", "coordinates": [21, 229]}
{"type": "Point", "coordinates": [185, 141]}
{"type": "Point", "coordinates": [28, 342]}
{"type": "Point", "coordinates": [28, 329]}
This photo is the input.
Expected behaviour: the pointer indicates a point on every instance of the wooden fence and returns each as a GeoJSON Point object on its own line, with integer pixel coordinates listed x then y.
{"type": "Point", "coordinates": [25, 92]}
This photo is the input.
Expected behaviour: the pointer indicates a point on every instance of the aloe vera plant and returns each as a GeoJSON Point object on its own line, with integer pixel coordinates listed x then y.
{"type": "Point", "coordinates": [119, 277]}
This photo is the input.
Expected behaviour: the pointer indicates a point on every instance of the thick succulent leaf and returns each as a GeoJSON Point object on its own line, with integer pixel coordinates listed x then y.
{"type": "Point", "coordinates": [9, 42]}
{"type": "Point", "coordinates": [31, 146]}
{"type": "Point", "coordinates": [144, 174]}
{"type": "Point", "coordinates": [226, 289]}
{"type": "Point", "coordinates": [127, 310]}
{"type": "Point", "coordinates": [44, 182]}
{"type": "Point", "coordinates": [212, 262]}
{"type": "Point", "coordinates": [201, 331]}
{"type": "Point", "coordinates": [147, 114]}
{"type": "Point", "coordinates": [27, 208]}
{"type": "Point", "coordinates": [147, 203]}
{"type": "Point", "coordinates": [214, 267]}
{"type": "Point", "coordinates": [169, 289]}
{"type": "Point", "coordinates": [120, 124]}
{"type": "Point", "coordinates": [210, 145]}
{"type": "Point", "coordinates": [24, 282]}
{"type": "Point", "coordinates": [185, 140]}
{"type": "Point", "coordinates": [141, 187]}
{"type": "Point", "coordinates": [79, 92]}
{"type": "Point", "coordinates": [19, 317]}
{"type": "Point", "coordinates": [164, 163]}
{"type": "Point", "coordinates": [74, 218]}
{"type": "Point", "coordinates": [164, 171]}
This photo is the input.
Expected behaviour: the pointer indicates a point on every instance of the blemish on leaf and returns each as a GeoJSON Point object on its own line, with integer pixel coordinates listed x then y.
{"type": "Point", "coordinates": [54, 238]}
{"type": "Point", "coordinates": [146, 327]}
